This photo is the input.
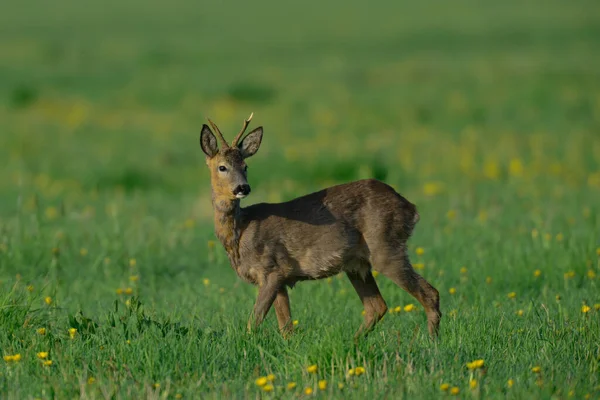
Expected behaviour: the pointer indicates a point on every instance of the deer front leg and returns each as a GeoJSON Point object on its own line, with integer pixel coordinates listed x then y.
{"type": "Point", "coordinates": [266, 296]}
{"type": "Point", "coordinates": [284, 315]}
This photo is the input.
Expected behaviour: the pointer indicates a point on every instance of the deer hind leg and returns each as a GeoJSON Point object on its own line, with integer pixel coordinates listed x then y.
{"type": "Point", "coordinates": [284, 315]}
{"type": "Point", "coordinates": [400, 271]}
{"type": "Point", "coordinates": [373, 303]}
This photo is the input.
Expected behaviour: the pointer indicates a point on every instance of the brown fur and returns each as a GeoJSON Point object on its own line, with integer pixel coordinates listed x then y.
{"type": "Point", "coordinates": [351, 228]}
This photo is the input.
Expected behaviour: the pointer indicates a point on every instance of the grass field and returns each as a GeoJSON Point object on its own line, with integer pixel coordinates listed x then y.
{"type": "Point", "coordinates": [486, 115]}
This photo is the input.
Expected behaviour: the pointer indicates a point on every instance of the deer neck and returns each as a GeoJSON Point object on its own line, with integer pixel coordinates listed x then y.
{"type": "Point", "coordinates": [227, 226]}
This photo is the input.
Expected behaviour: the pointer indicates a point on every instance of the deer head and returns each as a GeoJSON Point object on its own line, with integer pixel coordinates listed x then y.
{"type": "Point", "coordinates": [228, 171]}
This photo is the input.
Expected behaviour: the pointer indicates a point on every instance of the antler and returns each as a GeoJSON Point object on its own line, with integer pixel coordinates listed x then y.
{"type": "Point", "coordinates": [219, 134]}
{"type": "Point", "coordinates": [239, 135]}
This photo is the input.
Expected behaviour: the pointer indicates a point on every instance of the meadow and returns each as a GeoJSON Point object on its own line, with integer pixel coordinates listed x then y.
{"type": "Point", "coordinates": [486, 115]}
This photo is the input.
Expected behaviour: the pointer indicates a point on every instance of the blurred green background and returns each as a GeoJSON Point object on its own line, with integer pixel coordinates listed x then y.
{"type": "Point", "coordinates": [485, 114]}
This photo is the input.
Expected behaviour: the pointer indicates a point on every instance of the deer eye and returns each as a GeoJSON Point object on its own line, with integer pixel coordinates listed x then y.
{"type": "Point", "coordinates": [222, 168]}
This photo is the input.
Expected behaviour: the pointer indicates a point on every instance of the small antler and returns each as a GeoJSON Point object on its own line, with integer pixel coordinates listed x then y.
{"type": "Point", "coordinates": [219, 134]}
{"type": "Point", "coordinates": [239, 135]}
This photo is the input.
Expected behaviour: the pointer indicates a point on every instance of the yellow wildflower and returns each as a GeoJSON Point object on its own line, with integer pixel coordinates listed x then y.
{"type": "Point", "coordinates": [453, 313]}
{"type": "Point", "coordinates": [83, 252]}
{"type": "Point", "coordinates": [295, 322]}
{"type": "Point", "coordinates": [206, 281]}
{"type": "Point", "coordinates": [312, 369]}
{"type": "Point", "coordinates": [91, 380]}
{"type": "Point", "coordinates": [128, 290]}
{"type": "Point", "coordinates": [419, 266]}
{"type": "Point", "coordinates": [598, 251]}
{"type": "Point", "coordinates": [291, 385]}
{"type": "Point", "coordinates": [13, 358]}
{"type": "Point", "coordinates": [119, 291]}
{"type": "Point", "coordinates": [585, 308]}
{"type": "Point", "coordinates": [134, 278]}
{"type": "Point", "coordinates": [463, 270]}
{"type": "Point", "coordinates": [42, 354]}
{"type": "Point", "coordinates": [420, 251]}
{"type": "Point", "coordinates": [536, 369]}
{"type": "Point", "coordinates": [358, 371]}
{"type": "Point", "coordinates": [520, 313]}
{"type": "Point", "coordinates": [537, 273]}
{"type": "Point", "coordinates": [488, 280]}
{"type": "Point", "coordinates": [72, 332]}
{"type": "Point", "coordinates": [451, 214]}
{"type": "Point", "coordinates": [444, 387]}
{"type": "Point", "coordinates": [510, 383]}
{"type": "Point", "coordinates": [178, 396]}
{"type": "Point", "coordinates": [262, 381]}
{"type": "Point", "coordinates": [397, 309]}
{"type": "Point", "coordinates": [512, 295]}
{"type": "Point", "coordinates": [41, 331]}
{"type": "Point", "coordinates": [30, 288]}
{"type": "Point", "coordinates": [597, 306]}
{"type": "Point", "coordinates": [323, 384]}
{"type": "Point", "coordinates": [558, 298]}
{"type": "Point", "coordinates": [454, 391]}
{"type": "Point", "coordinates": [569, 274]}
{"type": "Point", "coordinates": [340, 385]}
{"type": "Point", "coordinates": [267, 388]}
{"type": "Point", "coordinates": [559, 237]}
{"type": "Point", "coordinates": [156, 385]}
{"type": "Point", "coordinates": [48, 300]}
{"type": "Point", "coordinates": [308, 391]}
{"type": "Point", "coordinates": [452, 290]}
{"type": "Point", "coordinates": [591, 274]}
{"type": "Point", "coordinates": [473, 383]}
{"type": "Point", "coordinates": [534, 233]}
{"type": "Point", "coordinates": [270, 377]}
{"type": "Point", "coordinates": [132, 262]}
{"type": "Point", "coordinates": [47, 363]}
{"type": "Point", "coordinates": [409, 307]}
{"type": "Point", "coordinates": [375, 274]}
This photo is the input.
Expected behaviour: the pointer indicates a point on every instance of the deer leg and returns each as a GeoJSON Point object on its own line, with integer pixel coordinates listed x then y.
{"type": "Point", "coordinates": [399, 270]}
{"type": "Point", "coordinates": [267, 292]}
{"type": "Point", "coordinates": [373, 303]}
{"type": "Point", "coordinates": [282, 310]}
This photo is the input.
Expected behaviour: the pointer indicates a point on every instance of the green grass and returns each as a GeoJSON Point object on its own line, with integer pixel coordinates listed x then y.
{"type": "Point", "coordinates": [484, 114]}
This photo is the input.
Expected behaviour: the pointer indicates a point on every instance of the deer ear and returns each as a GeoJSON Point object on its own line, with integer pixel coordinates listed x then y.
{"type": "Point", "coordinates": [251, 142]}
{"type": "Point", "coordinates": [208, 142]}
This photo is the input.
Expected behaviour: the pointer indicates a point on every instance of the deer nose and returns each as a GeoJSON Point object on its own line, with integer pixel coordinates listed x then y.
{"type": "Point", "coordinates": [241, 190]}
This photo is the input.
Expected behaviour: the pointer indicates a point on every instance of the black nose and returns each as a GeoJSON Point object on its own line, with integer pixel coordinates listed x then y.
{"type": "Point", "coordinates": [242, 189]}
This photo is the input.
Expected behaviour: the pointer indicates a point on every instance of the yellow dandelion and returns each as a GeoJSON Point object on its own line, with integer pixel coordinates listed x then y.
{"type": "Point", "coordinates": [156, 385]}
{"type": "Point", "coordinates": [268, 388]}
{"type": "Point", "coordinates": [91, 380]}
{"type": "Point", "coordinates": [83, 251]}
{"type": "Point", "coordinates": [512, 295]}
{"type": "Point", "coordinates": [419, 266]}
{"type": "Point", "coordinates": [453, 313]}
{"type": "Point", "coordinates": [42, 354]}
{"type": "Point", "coordinates": [72, 332]}
{"type": "Point", "coordinates": [211, 244]}
{"type": "Point", "coordinates": [520, 313]}
{"type": "Point", "coordinates": [206, 281]}
{"type": "Point", "coordinates": [397, 309]}
{"type": "Point", "coordinates": [41, 331]}
{"type": "Point", "coordinates": [295, 322]}
{"type": "Point", "coordinates": [30, 288]}
{"type": "Point", "coordinates": [452, 290]}
{"type": "Point", "coordinates": [308, 391]}
{"type": "Point", "coordinates": [375, 274]}
{"type": "Point", "coordinates": [132, 262]}
{"type": "Point", "coordinates": [134, 278]}
{"type": "Point", "coordinates": [323, 384]}
{"type": "Point", "coordinates": [598, 251]}
{"type": "Point", "coordinates": [591, 274]}
{"type": "Point", "coordinates": [444, 387]}
{"type": "Point", "coordinates": [451, 214]}
{"type": "Point", "coordinates": [488, 280]}
{"type": "Point", "coordinates": [420, 251]}
{"type": "Point", "coordinates": [585, 308]}
{"type": "Point", "coordinates": [558, 298]}
{"type": "Point", "coordinates": [363, 312]}
{"type": "Point", "coordinates": [291, 385]}
{"type": "Point", "coordinates": [178, 396]}
{"type": "Point", "coordinates": [510, 383]}
{"type": "Point", "coordinates": [559, 237]}
{"type": "Point", "coordinates": [463, 270]}
{"type": "Point", "coordinates": [537, 273]}
{"type": "Point", "coordinates": [47, 363]}
{"type": "Point", "coordinates": [262, 381]}
{"type": "Point", "coordinates": [351, 372]}
{"type": "Point", "coordinates": [128, 291]}
{"type": "Point", "coordinates": [454, 391]}
{"type": "Point", "coordinates": [475, 364]}
{"type": "Point", "coordinates": [119, 291]}
{"type": "Point", "coordinates": [473, 383]}
{"type": "Point", "coordinates": [597, 306]}
{"type": "Point", "coordinates": [569, 274]}
{"type": "Point", "coordinates": [409, 307]}
{"type": "Point", "coordinates": [311, 369]}
{"type": "Point", "coordinates": [358, 371]}
{"type": "Point", "coordinates": [270, 377]}
{"type": "Point", "coordinates": [340, 386]}
{"type": "Point", "coordinates": [536, 369]}
{"type": "Point", "coordinates": [48, 300]}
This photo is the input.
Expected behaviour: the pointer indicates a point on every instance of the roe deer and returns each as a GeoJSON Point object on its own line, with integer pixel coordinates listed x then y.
{"type": "Point", "coordinates": [353, 227]}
